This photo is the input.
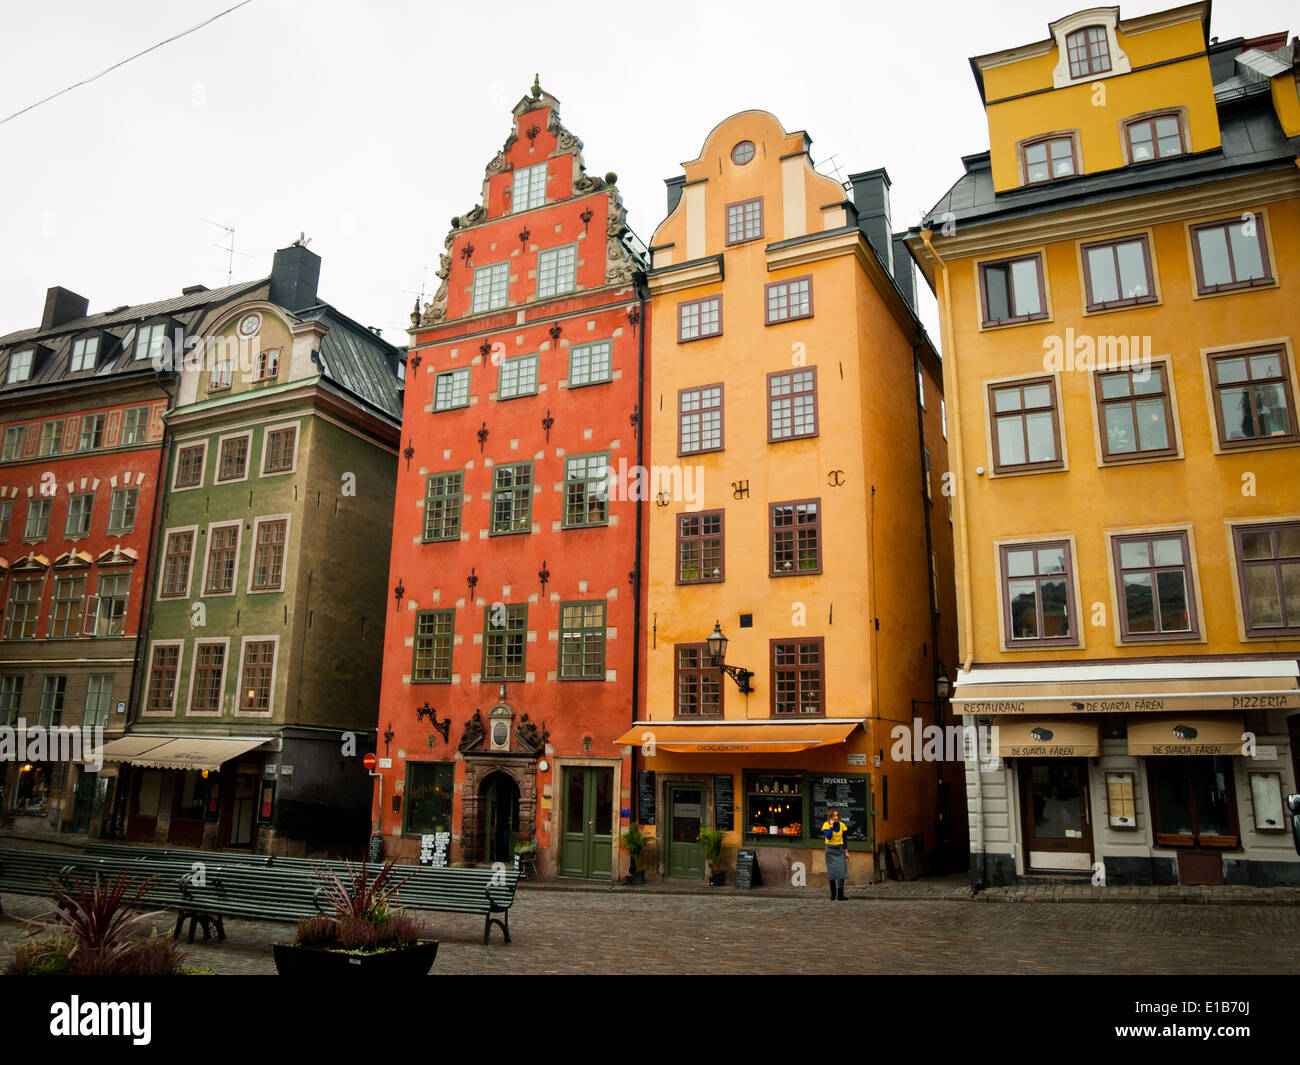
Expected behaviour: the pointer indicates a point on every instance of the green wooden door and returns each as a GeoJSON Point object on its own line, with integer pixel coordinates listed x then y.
{"type": "Point", "coordinates": [84, 801]}
{"type": "Point", "coordinates": [588, 822]}
{"type": "Point", "coordinates": [685, 815]}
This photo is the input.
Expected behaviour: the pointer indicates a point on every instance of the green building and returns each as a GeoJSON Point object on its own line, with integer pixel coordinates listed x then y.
{"type": "Point", "coordinates": [258, 684]}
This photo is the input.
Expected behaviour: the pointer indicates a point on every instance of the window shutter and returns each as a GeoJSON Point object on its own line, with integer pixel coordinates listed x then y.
{"type": "Point", "coordinates": [89, 611]}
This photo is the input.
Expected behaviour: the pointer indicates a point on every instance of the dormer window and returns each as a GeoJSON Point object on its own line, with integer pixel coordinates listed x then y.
{"type": "Point", "coordinates": [149, 342]}
{"type": "Point", "coordinates": [1048, 158]}
{"type": "Point", "coordinates": [529, 188]}
{"type": "Point", "coordinates": [85, 352]}
{"type": "Point", "coordinates": [1089, 52]}
{"type": "Point", "coordinates": [20, 365]}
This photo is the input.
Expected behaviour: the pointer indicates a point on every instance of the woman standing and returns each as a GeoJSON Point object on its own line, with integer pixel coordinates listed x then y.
{"type": "Point", "coordinates": [837, 861]}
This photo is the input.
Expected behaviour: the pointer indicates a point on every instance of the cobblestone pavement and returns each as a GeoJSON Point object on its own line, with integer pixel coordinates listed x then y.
{"type": "Point", "coordinates": [628, 932]}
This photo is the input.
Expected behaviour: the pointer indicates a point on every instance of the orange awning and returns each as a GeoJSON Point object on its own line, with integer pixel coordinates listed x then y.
{"type": "Point", "coordinates": [767, 737]}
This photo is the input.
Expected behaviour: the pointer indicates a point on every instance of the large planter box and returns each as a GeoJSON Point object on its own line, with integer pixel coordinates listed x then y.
{"type": "Point", "coordinates": [311, 961]}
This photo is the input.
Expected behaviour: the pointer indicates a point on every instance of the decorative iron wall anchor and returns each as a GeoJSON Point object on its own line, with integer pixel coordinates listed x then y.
{"type": "Point", "coordinates": [467, 253]}
{"type": "Point", "coordinates": [740, 489]}
{"type": "Point", "coordinates": [556, 330]}
{"type": "Point", "coordinates": [635, 419]}
{"type": "Point", "coordinates": [547, 422]}
{"type": "Point", "coordinates": [586, 217]}
{"type": "Point", "coordinates": [414, 362]}
{"type": "Point", "coordinates": [471, 581]}
{"type": "Point", "coordinates": [835, 478]}
{"type": "Point", "coordinates": [409, 452]}
{"type": "Point", "coordinates": [485, 349]}
{"type": "Point", "coordinates": [543, 575]}
{"type": "Point", "coordinates": [662, 500]}
{"type": "Point", "coordinates": [634, 317]}
{"type": "Point", "coordinates": [482, 437]}
{"type": "Point", "coordinates": [398, 594]}
{"type": "Point", "coordinates": [524, 234]}
{"type": "Point", "coordinates": [388, 738]}
{"type": "Point", "coordinates": [443, 726]}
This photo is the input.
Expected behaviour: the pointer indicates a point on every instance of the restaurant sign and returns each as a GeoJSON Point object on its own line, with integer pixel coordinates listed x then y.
{"type": "Point", "coordinates": [1131, 704]}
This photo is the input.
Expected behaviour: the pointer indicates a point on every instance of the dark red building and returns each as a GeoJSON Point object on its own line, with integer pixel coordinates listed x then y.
{"type": "Point", "coordinates": [510, 654]}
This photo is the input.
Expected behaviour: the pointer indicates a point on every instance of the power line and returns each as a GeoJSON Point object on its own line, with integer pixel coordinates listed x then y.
{"type": "Point", "coordinates": [109, 70]}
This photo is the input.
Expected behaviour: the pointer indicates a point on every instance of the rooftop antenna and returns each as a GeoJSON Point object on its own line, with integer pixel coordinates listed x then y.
{"type": "Point", "coordinates": [834, 168]}
{"type": "Point", "coordinates": [230, 251]}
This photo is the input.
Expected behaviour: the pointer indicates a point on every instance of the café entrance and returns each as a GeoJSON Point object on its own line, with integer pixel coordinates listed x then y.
{"type": "Point", "coordinates": [685, 817]}
{"type": "Point", "coordinates": [1054, 805]}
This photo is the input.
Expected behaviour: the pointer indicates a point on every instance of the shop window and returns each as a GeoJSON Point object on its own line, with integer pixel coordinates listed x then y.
{"type": "Point", "coordinates": [1192, 801]}
{"type": "Point", "coordinates": [192, 798]}
{"type": "Point", "coordinates": [427, 797]}
{"type": "Point", "coordinates": [774, 806]}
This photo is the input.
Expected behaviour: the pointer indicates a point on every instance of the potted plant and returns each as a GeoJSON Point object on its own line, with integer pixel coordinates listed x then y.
{"type": "Point", "coordinates": [93, 934]}
{"type": "Point", "coordinates": [636, 842]}
{"type": "Point", "coordinates": [525, 851]}
{"type": "Point", "coordinates": [710, 842]}
{"type": "Point", "coordinates": [363, 934]}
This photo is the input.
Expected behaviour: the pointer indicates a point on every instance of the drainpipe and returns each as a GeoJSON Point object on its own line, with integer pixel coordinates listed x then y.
{"type": "Point", "coordinates": [931, 578]}
{"type": "Point", "coordinates": [639, 280]}
{"type": "Point", "coordinates": [145, 616]}
{"type": "Point", "coordinates": [957, 465]}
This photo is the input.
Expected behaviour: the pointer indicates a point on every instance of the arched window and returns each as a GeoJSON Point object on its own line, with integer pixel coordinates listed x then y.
{"type": "Point", "coordinates": [1088, 51]}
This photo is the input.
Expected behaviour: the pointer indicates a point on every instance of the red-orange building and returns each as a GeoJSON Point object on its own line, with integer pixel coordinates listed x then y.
{"type": "Point", "coordinates": [511, 647]}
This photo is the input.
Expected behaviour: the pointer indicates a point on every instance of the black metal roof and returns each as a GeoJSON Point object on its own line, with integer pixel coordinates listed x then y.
{"type": "Point", "coordinates": [357, 359]}
{"type": "Point", "coordinates": [115, 359]}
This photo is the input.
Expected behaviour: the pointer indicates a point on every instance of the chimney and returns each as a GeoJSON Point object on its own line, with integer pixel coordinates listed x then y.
{"type": "Point", "coordinates": [904, 270]}
{"type": "Point", "coordinates": [871, 198]}
{"type": "Point", "coordinates": [62, 305]}
{"type": "Point", "coordinates": [674, 191]}
{"type": "Point", "coordinates": [294, 276]}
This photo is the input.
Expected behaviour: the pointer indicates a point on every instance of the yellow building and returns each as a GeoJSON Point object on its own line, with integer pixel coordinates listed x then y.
{"type": "Point", "coordinates": [1117, 279]}
{"type": "Point", "coordinates": [792, 396]}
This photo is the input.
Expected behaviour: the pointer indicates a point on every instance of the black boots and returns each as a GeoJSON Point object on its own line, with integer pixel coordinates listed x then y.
{"type": "Point", "coordinates": [837, 885]}
{"type": "Point", "coordinates": [841, 898]}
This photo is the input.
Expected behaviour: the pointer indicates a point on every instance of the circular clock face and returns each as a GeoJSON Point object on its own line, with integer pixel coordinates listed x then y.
{"type": "Point", "coordinates": [248, 326]}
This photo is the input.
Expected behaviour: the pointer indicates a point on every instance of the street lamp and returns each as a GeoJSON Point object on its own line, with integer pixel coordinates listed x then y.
{"type": "Point", "coordinates": [717, 644]}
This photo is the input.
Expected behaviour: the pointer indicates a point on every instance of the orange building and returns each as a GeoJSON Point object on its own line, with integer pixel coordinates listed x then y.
{"type": "Point", "coordinates": [799, 408]}
{"type": "Point", "coordinates": [510, 650]}
{"type": "Point", "coordinates": [1117, 283]}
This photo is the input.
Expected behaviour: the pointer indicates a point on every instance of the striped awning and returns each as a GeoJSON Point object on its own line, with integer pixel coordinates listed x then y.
{"type": "Point", "coordinates": [177, 752]}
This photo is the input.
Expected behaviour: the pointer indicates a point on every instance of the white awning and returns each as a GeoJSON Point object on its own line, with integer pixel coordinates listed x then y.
{"type": "Point", "coordinates": [178, 752]}
{"type": "Point", "coordinates": [1130, 687]}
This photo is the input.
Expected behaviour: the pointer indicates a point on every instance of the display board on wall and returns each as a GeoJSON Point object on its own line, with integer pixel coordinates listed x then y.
{"type": "Point", "coordinates": [646, 797]}
{"type": "Point", "coordinates": [724, 801]}
{"type": "Point", "coordinates": [848, 793]}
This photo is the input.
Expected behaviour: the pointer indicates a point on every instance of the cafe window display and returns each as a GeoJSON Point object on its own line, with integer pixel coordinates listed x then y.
{"type": "Point", "coordinates": [774, 806]}
{"type": "Point", "coordinates": [32, 792]}
{"type": "Point", "coordinates": [428, 797]}
{"type": "Point", "coordinates": [793, 806]}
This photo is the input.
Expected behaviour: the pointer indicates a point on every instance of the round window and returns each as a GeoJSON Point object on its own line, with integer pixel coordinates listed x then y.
{"type": "Point", "coordinates": [742, 153]}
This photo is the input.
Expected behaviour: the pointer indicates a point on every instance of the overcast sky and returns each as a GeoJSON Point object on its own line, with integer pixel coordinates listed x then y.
{"type": "Point", "coordinates": [367, 125]}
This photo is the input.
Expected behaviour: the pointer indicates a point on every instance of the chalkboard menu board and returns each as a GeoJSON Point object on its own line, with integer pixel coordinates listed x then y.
{"type": "Point", "coordinates": [376, 848]}
{"type": "Point", "coordinates": [851, 795]}
{"type": "Point", "coordinates": [747, 874]}
{"type": "Point", "coordinates": [724, 802]}
{"type": "Point", "coordinates": [646, 797]}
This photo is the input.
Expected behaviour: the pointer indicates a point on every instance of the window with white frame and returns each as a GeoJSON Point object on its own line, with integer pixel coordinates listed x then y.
{"type": "Point", "coordinates": [121, 509]}
{"type": "Point", "coordinates": [92, 433]}
{"type": "Point", "coordinates": [529, 188]}
{"type": "Point", "coordinates": [84, 353]}
{"type": "Point", "coordinates": [135, 425]}
{"type": "Point", "coordinates": [79, 510]}
{"type": "Point", "coordinates": [20, 365]}
{"type": "Point", "coordinates": [99, 697]}
{"type": "Point", "coordinates": [557, 271]}
{"type": "Point", "coordinates": [51, 438]}
{"type": "Point", "coordinates": [13, 445]}
{"type": "Point", "coordinates": [150, 340]}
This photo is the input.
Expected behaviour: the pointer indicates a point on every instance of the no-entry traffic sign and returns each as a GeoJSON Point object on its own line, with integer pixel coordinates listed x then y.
{"type": "Point", "coordinates": [369, 761]}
